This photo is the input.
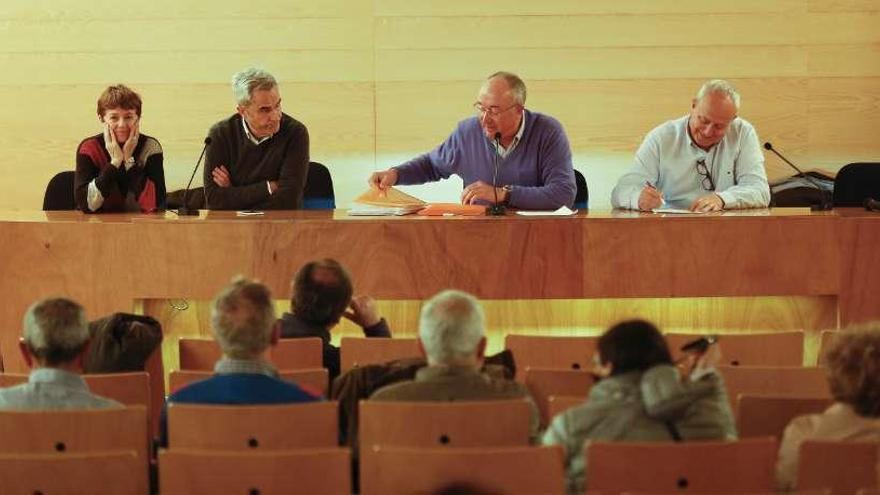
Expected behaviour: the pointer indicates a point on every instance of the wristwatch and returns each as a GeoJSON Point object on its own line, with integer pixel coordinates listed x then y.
{"type": "Point", "coordinates": [507, 189]}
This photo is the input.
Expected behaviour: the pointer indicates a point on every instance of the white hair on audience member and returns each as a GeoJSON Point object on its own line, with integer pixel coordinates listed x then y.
{"type": "Point", "coordinates": [451, 326]}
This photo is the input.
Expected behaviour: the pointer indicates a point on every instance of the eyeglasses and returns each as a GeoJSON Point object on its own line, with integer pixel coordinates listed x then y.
{"type": "Point", "coordinates": [492, 111]}
{"type": "Point", "coordinates": [706, 180]}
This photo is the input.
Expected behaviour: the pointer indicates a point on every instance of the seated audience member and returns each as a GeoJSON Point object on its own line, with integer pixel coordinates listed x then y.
{"type": "Point", "coordinates": [119, 169]}
{"type": "Point", "coordinates": [322, 295]}
{"type": "Point", "coordinates": [641, 397]}
{"type": "Point", "coordinates": [853, 368]}
{"type": "Point", "coordinates": [534, 169]}
{"type": "Point", "coordinates": [121, 342]}
{"type": "Point", "coordinates": [56, 336]}
{"type": "Point", "coordinates": [244, 324]}
{"type": "Point", "coordinates": [257, 158]}
{"type": "Point", "coordinates": [708, 160]}
{"type": "Point", "coordinates": [452, 339]}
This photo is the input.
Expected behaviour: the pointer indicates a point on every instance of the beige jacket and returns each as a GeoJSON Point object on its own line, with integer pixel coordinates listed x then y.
{"type": "Point", "coordinates": [838, 422]}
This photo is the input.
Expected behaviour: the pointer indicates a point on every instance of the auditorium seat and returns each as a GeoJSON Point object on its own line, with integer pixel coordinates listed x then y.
{"type": "Point", "coordinates": [553, 352]}
{"type": "Point", "coordinates": [250, 427]}
{"type": "Point", "coordinates": [508, 470]}
{"type": "Point", "coordinates": [444, 424]}
{"type": "Point", "coordinates": [768, 415]}
{"type": "Point", "coordinates": [781, 381]}
{"type": "Point", "coordinates": [359, 351]}
{"type": "Point", "coordinates": [744, 466]}
{"type": "Point", "coordinates": [130, 389]}
{"type": "Point", "coordinates": [843, 467]}
{"type": "Point", "coordinates": [77, 431]}
{"type": "Point", "coordinates": [750, 349]}
{"type": "Point", "coordinates": [325, 471]}
{"type": "Point", "coordinates": [108, 473]}
{"type": "Point", "coordinates": [288, 354]}
{"type": "Point", "coordinates": [542, 383]}
{"type": "Point", "coordinates": [313, 380]}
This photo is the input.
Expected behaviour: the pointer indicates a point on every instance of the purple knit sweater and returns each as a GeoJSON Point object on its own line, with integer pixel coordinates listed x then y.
{"type": "Point", "coordinates": [539, 167]}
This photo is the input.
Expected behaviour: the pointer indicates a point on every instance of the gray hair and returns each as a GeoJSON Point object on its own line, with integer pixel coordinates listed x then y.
{"type": "Point", "coordinates": [451, 326]}
{"type": "Point", "coordinates": [245, 82]}
{"type": "Point", "coordinates": [55, 330]}
{"type": "Point", "coordinates": [719, 86]}
{"type": "Point", "coordinates": [517, 86]}
{"type": "Point", "coordinates": [242, 317]}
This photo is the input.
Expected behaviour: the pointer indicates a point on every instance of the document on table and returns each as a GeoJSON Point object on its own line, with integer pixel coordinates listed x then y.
{"type": "Point", "coordinates": [563, 211]}
{"type": "Point", "coordinates": [382, 211]}
{"type": "Point", "coordinates": [677, 211]}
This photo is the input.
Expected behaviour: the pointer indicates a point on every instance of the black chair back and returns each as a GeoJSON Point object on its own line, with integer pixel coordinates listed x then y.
{"type": "Point", "coordinates": [855, 183]}
{"type": "Point", "coordinates": [59, 192]}
{"type": "Point", "coordinates": [582, 197]}
{"type": "Point", "coordinates": [318, 192]}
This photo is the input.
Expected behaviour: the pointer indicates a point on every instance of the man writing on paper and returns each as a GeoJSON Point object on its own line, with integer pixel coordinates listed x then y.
{"type": "Point", "coordinates": [706, 161]}
{"type": "Point", "coordinates": [535, 170]}
{"type": "Point", "coordinates": [258, 158]}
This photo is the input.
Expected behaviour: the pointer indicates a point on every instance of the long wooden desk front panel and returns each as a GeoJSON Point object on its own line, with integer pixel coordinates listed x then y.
{"type": "Point", "coordinates": [107, 262]}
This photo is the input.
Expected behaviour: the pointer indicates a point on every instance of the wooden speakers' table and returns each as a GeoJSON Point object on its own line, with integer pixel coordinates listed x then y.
{"type": "Point", "coordinates": [106, 262]}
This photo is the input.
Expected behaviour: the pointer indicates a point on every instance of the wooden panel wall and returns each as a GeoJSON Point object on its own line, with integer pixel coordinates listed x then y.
{"type": "Point", "coordinates": [377, 81]}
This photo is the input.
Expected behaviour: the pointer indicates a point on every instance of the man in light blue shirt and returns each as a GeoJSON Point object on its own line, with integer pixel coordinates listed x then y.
{"type": "Point", "coordinates": [708, 160]}
{"type": "Point", "coordinates": [56, 336]}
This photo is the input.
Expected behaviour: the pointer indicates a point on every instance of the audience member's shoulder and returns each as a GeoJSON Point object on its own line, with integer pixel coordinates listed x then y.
{"type": "Point", "coordinates": [396, 391]}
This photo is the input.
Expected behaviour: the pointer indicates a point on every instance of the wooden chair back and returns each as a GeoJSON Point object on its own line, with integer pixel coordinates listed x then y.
{"type": "Point", "coordinates": [444, 424]}
{"type": "Point", "coordinates": [250, 427]}
{"type": "Point", "coordinates": [553, 352]}
{"type": "Point", "coordinates": [359, 351]}
{"type": "Point", "coordinates": [313, 380]}
{"type": "Point", "coordinates": [744, 466]}
{"type": "Point", "coordinates": [751, 349]}
{"type": "Point", "coordinates": [559, 403]}
{"type": "Point", "coordinates": [287, 354]}
{"type": "Point", "coordinates": [116, 473]}
{"type": "Point", "coordinates": [768, 415]}
{"type": "Point", "coordinates": [791, 381]}
{"type": "Point", "coordinates": [297, 472]}
{"type": "Point", "coordinates": [508, 470]}
{"type": "Point", "coordinates": [155, 367]}
{"type": "Point", "coordinates": [843, 467]}
{"type": "Point", "coordinates": [78, 431]}
{"type": "Point", "coordinates": [131, 389]}
{"type": "Point", "coordinates": [542, 383]}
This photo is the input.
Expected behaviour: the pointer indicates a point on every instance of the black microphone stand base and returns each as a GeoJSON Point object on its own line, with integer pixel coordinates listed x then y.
{"type": "Point", "coordinates": [183, 211]}
{"type": "Point", "coordinates": [496, 210]}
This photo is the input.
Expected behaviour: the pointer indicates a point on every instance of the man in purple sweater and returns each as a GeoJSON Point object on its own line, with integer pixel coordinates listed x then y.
{"type": "Point", "coordinates": [535, 170]}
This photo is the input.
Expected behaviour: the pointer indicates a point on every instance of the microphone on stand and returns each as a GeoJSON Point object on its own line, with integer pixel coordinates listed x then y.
{"type": "Point", "coordinates": [826, 204]}
{"type": "Point", "coordinates": [183, 210]}
{"type": "Point", "coordinates": [497, 209]}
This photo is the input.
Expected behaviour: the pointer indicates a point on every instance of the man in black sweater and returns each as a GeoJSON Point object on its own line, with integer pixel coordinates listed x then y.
{"type": "Point", "coordinates": [257, 158]}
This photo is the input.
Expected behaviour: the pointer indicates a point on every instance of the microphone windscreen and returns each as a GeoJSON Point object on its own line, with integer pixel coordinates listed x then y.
{"type": "Point", "coordinates": [207, 140]}
{"type": "Point", "coordinates": [768, 146]}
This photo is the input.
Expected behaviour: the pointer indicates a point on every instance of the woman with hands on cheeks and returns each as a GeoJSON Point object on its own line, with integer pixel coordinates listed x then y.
{"type": "Point", "coordinates": [119, 170]}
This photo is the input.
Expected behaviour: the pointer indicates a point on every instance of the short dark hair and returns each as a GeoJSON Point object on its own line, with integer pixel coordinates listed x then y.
{"type": "Point", "coordinates": [321, 301]}
{"type": "Point", "coordinates": [119, 96]}
{"type": "Point", "coordinates": [633, 345]}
